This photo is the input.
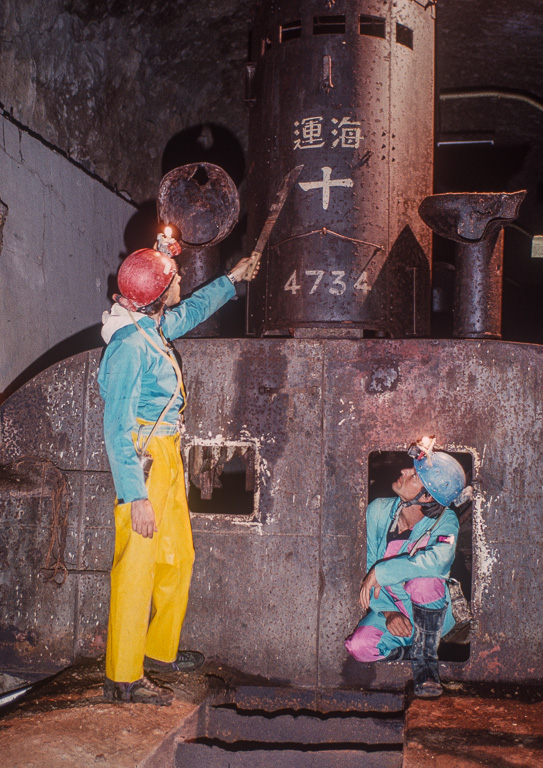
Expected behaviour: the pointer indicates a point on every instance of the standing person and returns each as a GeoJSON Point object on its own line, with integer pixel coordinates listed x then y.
{"type": "Point", "coordinates": [411, 545]}
{"type": "Point", "coordinates": [142, 387]}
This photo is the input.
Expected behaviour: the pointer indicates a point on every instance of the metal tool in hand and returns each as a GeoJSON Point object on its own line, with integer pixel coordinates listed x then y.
{"type": "Point", "coordinates": [276, 208]}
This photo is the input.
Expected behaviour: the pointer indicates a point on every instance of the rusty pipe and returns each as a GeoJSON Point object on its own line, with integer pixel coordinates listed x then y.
{"type": "Point", "coordinates": [477, 311]}
{"type": "Point", "coordinates": [474, 222]}
{"type": "Point", "coordinates": [196, 267]}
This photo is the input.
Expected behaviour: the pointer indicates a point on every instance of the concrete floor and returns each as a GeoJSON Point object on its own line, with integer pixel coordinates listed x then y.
{"type": "Point", "coordinates": [67, 722]}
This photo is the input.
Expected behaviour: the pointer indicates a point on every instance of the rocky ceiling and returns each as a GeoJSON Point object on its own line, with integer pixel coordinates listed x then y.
{"type": "Point", "coordinates": [113, 82]}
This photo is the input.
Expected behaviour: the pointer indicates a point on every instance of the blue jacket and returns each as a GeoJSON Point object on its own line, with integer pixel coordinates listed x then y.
{"type": "Point", "coordinates": [434, 555]}
{"type": "Point", "coordinates": [137, 382]}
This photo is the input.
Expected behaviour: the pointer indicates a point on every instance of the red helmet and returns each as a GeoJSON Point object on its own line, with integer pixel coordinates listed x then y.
{"type": "Point", "coordinates": [144, 276]}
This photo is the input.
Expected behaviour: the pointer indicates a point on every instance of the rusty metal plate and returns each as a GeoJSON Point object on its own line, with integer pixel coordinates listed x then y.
{"type": "Point", "coordinates": [289, 576]}
{"type": "Point", "coordinates": [92, 614]}
{"type": "Point", "coordinates": [274, 399]}
{"type": "Point", "coordinates": [94, 457]}
{"type": "Point", "coordinates": [276, 571]}
{"type": "Point", "coordinates": [227, 725]}
{"type": "Point", "coordinates": [479, 397]}
{"type": "Point", "coordinates": [44, 418]}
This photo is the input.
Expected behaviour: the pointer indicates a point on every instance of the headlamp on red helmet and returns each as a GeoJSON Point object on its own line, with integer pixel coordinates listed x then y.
{"type": "Point", "coordinates": [166, 243]}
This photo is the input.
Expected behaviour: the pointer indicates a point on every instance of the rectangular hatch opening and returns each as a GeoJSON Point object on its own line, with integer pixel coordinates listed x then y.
{"type": "Point", "coordinates": [384, 467]}
{"type": "Point", "coordinates": [222, 479]}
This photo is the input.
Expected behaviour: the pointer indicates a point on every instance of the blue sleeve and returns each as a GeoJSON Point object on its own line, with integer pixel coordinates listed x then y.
{"type": "Point", "coordinates": [194, 310]}
{"type": "Point", "coordinates": [372, 533]}
{"type": "Point", "coordinates": [433, 560]}
{"type": "Point", "coordinates": [123, 373]}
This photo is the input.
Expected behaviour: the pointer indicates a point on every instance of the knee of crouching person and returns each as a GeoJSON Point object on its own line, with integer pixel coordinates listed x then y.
{"type": "Point", "coordinates": [362, 644]}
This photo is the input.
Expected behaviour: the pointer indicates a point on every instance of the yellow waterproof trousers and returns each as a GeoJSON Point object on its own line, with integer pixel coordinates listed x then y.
{"type": "Point", "coordinates": [150, 578]}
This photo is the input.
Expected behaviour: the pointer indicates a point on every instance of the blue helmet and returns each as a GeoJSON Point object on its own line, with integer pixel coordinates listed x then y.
{"type": "Point", "coordinates": [442, 476]}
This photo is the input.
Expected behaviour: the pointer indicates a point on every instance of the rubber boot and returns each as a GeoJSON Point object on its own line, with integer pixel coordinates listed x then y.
{"type": "Point", "coordinates": [428, 625]}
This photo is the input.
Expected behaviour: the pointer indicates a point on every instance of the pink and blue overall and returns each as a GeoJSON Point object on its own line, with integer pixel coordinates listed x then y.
{"type": "Point", "coordinates": [412, 570]}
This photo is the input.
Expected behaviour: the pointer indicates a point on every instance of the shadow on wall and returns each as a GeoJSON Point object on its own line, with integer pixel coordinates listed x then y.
{"type": "Point", "coordinates": [142, 228]}
{"type": "Point", "coordinates": [88, 338]}
{"type": "Point", "coordinates": [205, 143]}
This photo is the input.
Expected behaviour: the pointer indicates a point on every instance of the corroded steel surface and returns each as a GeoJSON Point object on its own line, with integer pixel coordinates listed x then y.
{"type": "Point", "coordinates": [228, 726]}
{"type": "Point", "coordinates": [196, 267]}
{"type": "Point", "coordinates": [474, 221]}
{"type": "Point", "coordinates": [226, 735]}
{"type": "Point", "coordinates": [346, 89]}
{"type": "Point", "coordinates": [275, 593]}
{"type": "Point", "coordinates": [273, 698]}
{"type": "Point", "coordinates": [196, 755]}
{"type": "Point", "coordinates": [201, 200]}
{"type": "Point", "coordinates": [56, 416]}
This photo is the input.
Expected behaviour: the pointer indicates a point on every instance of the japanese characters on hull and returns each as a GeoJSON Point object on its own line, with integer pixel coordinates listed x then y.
{"type": "Point", "coordinates": [346, 89]}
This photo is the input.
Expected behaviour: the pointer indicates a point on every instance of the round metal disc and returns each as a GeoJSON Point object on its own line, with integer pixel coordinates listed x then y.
{"type": "Point", "coordinates": [201, 200]}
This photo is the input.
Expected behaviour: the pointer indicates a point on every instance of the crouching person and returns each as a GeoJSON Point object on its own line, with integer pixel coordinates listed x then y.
{"type": "Point", "coordinates": [411, 544]}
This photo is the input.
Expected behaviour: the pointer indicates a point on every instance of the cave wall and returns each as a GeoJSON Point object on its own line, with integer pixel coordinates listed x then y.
{"type": "Point", "coordinates": [62, 239]}
{"type": "Point", "coordinates": [113, 82]}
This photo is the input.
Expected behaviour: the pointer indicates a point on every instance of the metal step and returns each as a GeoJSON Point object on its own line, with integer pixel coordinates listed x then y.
{"type": "Point", "coordinates": [272, 698]}
{"type": "Point", "coordinates": [200, 755]}
{"type": "Point", "coordinates": [265, 727]}
{"type": "Point", "coordinates": [231, 725]}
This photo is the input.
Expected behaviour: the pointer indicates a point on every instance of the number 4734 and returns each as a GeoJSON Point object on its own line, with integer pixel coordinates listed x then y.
{"type": "Point", "coordinates": [335, 283]}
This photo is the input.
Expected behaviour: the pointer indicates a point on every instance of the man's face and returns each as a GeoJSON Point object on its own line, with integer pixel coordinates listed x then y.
{"type": "Point", "coordinates": [173, 295]}
{"type": "Point", "coordinates": [408, 485]}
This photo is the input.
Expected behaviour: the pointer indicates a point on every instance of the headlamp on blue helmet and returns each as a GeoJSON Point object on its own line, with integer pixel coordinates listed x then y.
{"type": "Point", "coordinates": [441, 475]}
